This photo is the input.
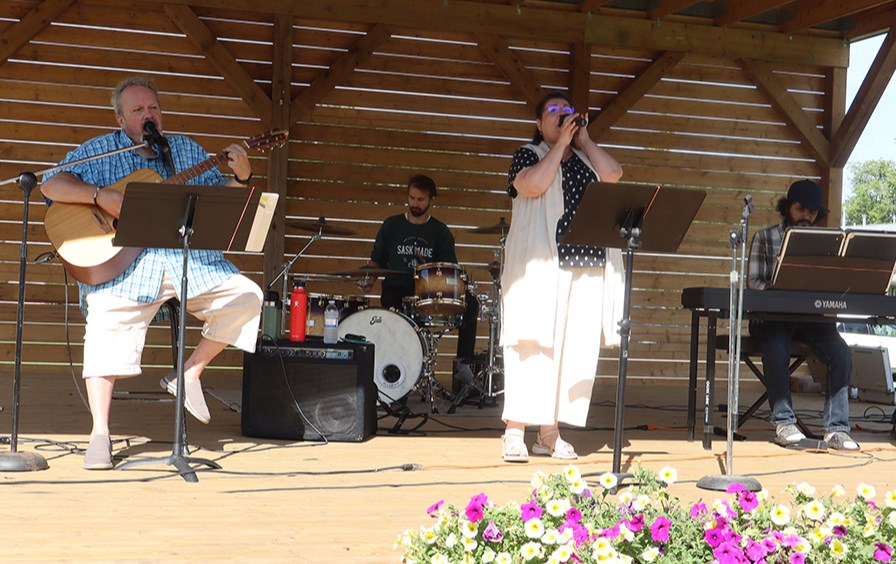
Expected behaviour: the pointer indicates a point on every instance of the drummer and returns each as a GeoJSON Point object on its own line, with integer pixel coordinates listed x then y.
{"type": "Point", "coordinates": [415, 237]}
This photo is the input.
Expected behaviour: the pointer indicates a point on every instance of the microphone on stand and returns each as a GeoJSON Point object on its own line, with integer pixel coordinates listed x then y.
{"type": "Point", "coordinates": [158, 141]}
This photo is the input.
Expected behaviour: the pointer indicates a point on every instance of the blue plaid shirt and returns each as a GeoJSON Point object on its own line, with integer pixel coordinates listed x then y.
{"type": "Point", "coordinates": [143, 279]}
{"type": "Point", "coordinates": [764, 253]}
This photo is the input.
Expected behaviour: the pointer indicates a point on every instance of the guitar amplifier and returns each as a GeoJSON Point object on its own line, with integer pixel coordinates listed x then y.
{"type": "Point", "coordinates": [309, 391]}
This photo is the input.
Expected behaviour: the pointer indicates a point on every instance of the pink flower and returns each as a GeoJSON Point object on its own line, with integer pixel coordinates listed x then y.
{"type": "Point", "coordinates": [435, 507]}
{"type": "Point", "coordinates": [659, 531]}
{"type": "Point", "coordinates": [748, 501]}
{"type": "Point", "coordinates": [474, 508]}
{"type": "Point", "coordinates": [882, 552]}
{"type": "Point", "coordinates": [573, 515]}
{"type": "Point", "coordinates": [531, 511]}
{"type": "Point", "coordinates": [797, 558]}
{"type": "Point", "coordinates": [699, 510]}
{"type": "Point", "coordinates": [636, 523]}
{"type": "Point", "coordinates": [492, 533]}
{"type": "Point", "coordinates": [728, 553]}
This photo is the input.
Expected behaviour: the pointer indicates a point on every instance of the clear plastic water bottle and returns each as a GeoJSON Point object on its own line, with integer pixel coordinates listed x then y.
{"type": "Point", "coordinates": [331, 323]}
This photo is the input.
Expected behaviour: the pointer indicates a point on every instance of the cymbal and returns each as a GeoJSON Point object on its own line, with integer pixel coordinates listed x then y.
{"type": "Point", "coordinates": [499, 228]}
{"type": "Point", "coordinates": [365, 271]}
{"type": "Point", "coordinates": [320, 226]}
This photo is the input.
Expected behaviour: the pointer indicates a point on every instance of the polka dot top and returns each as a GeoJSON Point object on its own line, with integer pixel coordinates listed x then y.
{"type": "Point", "coordinates": [576, 177]}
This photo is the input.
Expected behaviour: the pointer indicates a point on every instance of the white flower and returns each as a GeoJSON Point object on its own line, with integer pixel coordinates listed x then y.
{"type": "Point", "coordinates": [890, 499]}
{"type": "Point", "coordinates": [803, 546]}
{"type": "Point", "coordinates": [668, 475]}
{"type": "Point", "coordinates": [469, 529]}
{"type": "Point", "coordinates": [572, 473]}
{"type": "Point", "coordinates": [469, 544]}
{"type": "Point", "coordinates": [538, 479]}
{"type": "Point", "coordinates": [451, 540]}
{"type": "Point", "coordinates": [805, 489]}
{"type": "Point", "coordinates": [762, 494]}
{"type": "Point", "coordinates": [565, 536]}
{"type": "Point", "coordinates": [720, 506]}
{"type": "Point", "coordinates": [641, 502]}
{"type": "Point", "coordinates": [608, 480]}
{"type": "Point", "coordinates": [558, 507]}
{"type": "Point", "coordinates": [780, 515]}
{"type": "Point", "coordinates": [626, 534]}
{"type": "Point", "coordinates": [838, 518]}
{"type": "Point", "coordinates": [625, 497]}
{"type": "Point", "coordinates": [892, 519]}
{"type": "Point", "coordinates": [563, 553]}
{"type": "Point", "coordinates": [816, 536]}
{"type": "Point", "coordinates": [531, 550]}
{"type": "Point", "coordinates": [601, 547]}
{"type": "Point", "coordinates": [650, 554]}
{"type": "Point", "coordinates": [534, 528]}
{"type": "Point", "coordinates": [865, 491]}
{"type": "Point", "coordinates": [814, 510]}
{"type": "Point", "coordinates": [429, 536]}
{"type": "Point", "coordinates": [577, 486]}
{"type": "Point", "coordinates": [869, 530]}
{"type": "Point", "coordinates": [838, 549]}
{"type": "Point", "coordinates": [440, 559]}
{"type": "Point", "coordinates": [504, 558]}
{"type": "Point", "coordinates": [551, 536]}
{"type": "Point", "coordinates": [488, 556]}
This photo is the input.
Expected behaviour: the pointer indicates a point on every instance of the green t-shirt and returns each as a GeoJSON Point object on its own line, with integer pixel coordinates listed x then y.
{"type": "Point", "coordinates": [402, 245]}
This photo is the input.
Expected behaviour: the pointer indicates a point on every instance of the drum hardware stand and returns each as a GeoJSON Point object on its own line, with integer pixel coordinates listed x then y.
{"type": "Point", "coordinates": [429, 385]}
{"type": "Point", "coordinates": [402, 414]}
{"type": "Point", "coordinates": [738, 240]}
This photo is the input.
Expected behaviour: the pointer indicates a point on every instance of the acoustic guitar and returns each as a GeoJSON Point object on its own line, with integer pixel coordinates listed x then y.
{"type": "Point", "coordinates": [82, 233]}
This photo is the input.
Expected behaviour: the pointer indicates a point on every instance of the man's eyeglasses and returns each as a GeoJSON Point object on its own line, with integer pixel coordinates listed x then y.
{"type": "Point", "coordinates": [555, 109]}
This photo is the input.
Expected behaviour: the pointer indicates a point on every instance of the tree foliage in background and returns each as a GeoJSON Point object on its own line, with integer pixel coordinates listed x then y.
{"type": "Point", "coordinates": [873, 198]}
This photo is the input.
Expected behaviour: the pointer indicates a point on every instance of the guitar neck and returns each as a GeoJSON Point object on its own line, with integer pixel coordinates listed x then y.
{"type": "Point", "coordinates": [197, 169]}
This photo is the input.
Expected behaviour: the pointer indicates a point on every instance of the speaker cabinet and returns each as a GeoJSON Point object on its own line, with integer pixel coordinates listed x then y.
{"type": "Point", "coordinates": [309, 390]}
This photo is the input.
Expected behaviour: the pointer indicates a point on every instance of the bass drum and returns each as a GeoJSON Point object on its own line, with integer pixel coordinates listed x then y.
{"type": "Point", "coordinates": [398, 349]}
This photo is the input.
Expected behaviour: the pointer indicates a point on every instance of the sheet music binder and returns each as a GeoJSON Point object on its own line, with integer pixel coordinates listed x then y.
{"type": "Point", "coordinates": [245, 213]}
{"type": "Point", "coordinates": [833, 260]}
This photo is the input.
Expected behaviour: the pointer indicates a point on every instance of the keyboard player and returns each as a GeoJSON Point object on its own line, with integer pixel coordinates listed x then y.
{"type": "Point", "coordinates": [802, 206]}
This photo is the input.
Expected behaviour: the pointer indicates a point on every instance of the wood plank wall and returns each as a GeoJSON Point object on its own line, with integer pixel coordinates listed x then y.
{"type": "Point", "coordinates": [424, 102]}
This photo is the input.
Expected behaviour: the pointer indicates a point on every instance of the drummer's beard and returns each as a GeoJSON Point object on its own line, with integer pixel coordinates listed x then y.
{"type": "Point", "coordinates": [418, 212]}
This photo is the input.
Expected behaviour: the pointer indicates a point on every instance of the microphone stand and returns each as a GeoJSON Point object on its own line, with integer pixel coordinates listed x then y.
{"type": "Point", "coordinates": [738, 240]}
{"type": "Point", "coordinates": [284, 299]}
{"type": "Point", "coordinates": [15, 461]}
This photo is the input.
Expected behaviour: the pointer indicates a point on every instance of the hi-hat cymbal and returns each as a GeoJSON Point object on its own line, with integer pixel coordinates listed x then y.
{"type": "Point", "coordinates": [499, 228]}
{"type": "Point", "coordinates": [371, 271]}
{"type": "Point", "coordinates": [320, 226]}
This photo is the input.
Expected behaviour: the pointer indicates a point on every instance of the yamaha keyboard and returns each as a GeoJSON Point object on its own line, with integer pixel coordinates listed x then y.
{"type": "Point", "coordinates": [791, 302]}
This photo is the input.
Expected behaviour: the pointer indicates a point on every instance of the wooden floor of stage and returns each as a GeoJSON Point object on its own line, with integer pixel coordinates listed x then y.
{"type": "Point", "coordinates": [283, 501]}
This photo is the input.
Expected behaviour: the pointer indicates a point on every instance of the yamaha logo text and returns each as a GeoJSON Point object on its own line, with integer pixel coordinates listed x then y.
{"type": "Point", "coordinates": [830, 304]}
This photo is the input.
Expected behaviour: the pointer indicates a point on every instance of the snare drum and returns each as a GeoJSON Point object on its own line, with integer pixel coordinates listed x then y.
{"type": "Point", "coordinates": [440, 289]}
{"type": "Point", "coordinates": [346, 305]}
{"type": "Point", "coordinates": [398, 351]}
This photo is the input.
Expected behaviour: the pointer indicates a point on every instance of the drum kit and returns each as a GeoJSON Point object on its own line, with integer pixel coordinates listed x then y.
{"type": "Point", "coordinates": [406, 341]}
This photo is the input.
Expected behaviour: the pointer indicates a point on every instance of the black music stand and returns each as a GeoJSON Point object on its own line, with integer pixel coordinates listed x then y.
{"type": "Point", "coordinates": [185, 216]}
{"type": "Point", "coordinates": [631, 216]}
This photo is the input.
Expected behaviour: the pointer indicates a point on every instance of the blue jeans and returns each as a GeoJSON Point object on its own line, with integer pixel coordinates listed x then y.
{"type": "Point", "coordinates": [774, 339]}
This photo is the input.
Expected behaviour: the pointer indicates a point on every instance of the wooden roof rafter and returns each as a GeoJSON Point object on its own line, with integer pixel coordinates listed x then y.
{"type": "Point", "coordinates": [234, 74]}
{"type": "Point", "coordinates": [865, 101]}
{"type": "Point", "coordinates": [665, 8]}
{"type": "Point", "coordinates": [786, 105]}
{"type": "Point", "coordinates": [808, 13]}
{"type": "Point", "coordinates": [514, 70]}
{"type": "Point", "coordinates": [29, 26]}
{"type": "Point", "coordinates": [739, 10]}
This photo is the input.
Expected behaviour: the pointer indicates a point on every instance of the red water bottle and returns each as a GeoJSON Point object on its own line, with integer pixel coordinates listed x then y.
{"type": "Point", "coordinates": [298, 312]}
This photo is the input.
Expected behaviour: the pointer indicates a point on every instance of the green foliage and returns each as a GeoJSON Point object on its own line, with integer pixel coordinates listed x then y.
{"type": "Point", "coordinates": [873, 199]}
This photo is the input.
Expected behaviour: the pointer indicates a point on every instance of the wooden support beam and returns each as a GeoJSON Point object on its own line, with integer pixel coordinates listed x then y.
{"type": "Point", "coordinates": [234, 74]}
{"type": "Point", "coordinates": [29, 26]}
{"type": "Point", "coordinates": [345, 65]}
{"type": "Point", "coordinates": [812, 12]}
{"type": "Point", "coordinates": [591, 5]}
{"type": "Point", "coordinates": [522, 80]}
{"type": "Point", "coordinates": [739, 10]}
{"type": "Point", "coordinates": [613, 111]}
{"type": "Point", "coordinates": [278, 162]}
{"type": "Point", "coordinates": [562, 25]}
{"type": "Point", "coordinates": [866, 100]}
{"type": "Point", "coordinates": [786, 105]}
{"type": "Point", "coordinates": [834, 110]}
{"type": "Point", "coordinates": [580, 76]}
{"type": "Point", "coordinates": [871, 23]}
{"type": "Point", "coordinates": [664, 8]}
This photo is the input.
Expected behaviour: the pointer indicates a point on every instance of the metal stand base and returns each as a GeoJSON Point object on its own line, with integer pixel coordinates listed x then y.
{"type": "Point", "coordinates": [22, 462]}
{"type": "Point", "coordinates": [722, 483]}
{"type": "Point", "coordinates": [182, 463]}
{"type": "Point", "coordinates": [403, 413]}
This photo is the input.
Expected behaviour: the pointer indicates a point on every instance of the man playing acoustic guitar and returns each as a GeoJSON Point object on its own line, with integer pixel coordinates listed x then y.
{"type": "Point", "coordinates": [120, 309]}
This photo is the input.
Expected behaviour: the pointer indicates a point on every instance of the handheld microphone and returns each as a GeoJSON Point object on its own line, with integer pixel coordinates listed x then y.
{"type": "Point", "coordinates": [580, 121]}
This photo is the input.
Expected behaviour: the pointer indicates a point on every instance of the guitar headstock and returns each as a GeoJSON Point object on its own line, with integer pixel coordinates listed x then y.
{"type": "Point", "coordinates": [267, 140]}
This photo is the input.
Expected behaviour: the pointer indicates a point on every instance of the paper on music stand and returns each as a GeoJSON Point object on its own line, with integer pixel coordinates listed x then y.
{"type": "Point", "coordinates": [264, 214]}
{"type": "Point", "coordinates": [228, 216]}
